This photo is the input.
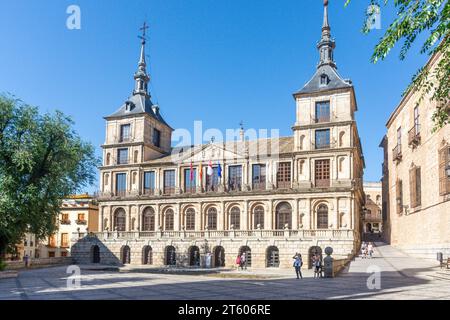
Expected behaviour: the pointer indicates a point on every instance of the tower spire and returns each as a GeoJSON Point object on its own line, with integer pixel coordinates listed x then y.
{"type": "Point", "coordinates": [326, 44]}
{"type": "Point", "coordinates": [141, 77]}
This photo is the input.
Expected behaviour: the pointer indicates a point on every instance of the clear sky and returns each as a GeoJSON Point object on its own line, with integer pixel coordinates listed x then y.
{"type": "Point", "coordinates": [216, 61]}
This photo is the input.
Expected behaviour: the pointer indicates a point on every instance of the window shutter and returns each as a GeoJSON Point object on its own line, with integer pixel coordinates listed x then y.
{"type": "Point", "coordinates": [418, 187]}
{"type": "Point", "coordinates": [443, 180]}
{"type": "Point", "coordinates": [398, 198]}
{"type": "Point", "coordinates": [412, 187]}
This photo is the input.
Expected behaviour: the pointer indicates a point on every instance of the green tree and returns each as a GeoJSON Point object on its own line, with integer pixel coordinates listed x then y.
{"type": "Point", "coordinates": [42, 160]}
{"type": "Point", "coordinates": [415, 17]}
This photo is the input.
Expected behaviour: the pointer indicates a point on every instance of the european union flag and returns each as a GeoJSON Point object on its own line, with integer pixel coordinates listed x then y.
{"type": "Point", "coordinates": [219, 171]}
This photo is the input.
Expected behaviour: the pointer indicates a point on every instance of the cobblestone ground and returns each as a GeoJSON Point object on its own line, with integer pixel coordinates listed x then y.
{"type": "Point", "coordinates": [402, 277]}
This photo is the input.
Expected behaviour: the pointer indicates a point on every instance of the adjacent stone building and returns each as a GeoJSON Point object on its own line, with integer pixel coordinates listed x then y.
{"type": "Point", "coordinates": [416, 177]}
{"type": "Point", "coordinates": [269, 198]}
{"type": "Point", "coordinates": [78, 216]}
{"type": "Point", "coordinates": [372, 217]}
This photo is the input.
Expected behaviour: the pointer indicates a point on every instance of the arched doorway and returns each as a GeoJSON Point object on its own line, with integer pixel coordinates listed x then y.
{"type": "Point", "coordinates": [147, 255]}
{"type": "Point", "coordinates": [368, 228]}
{"type": "Point", "coordinates": [313, 251]}
{"type": "Point", "coordinates": [272, 257]}
{"type": "Point", "coordinates": [171, 258]}
{"type": "Point", "coordinates": [219, 257]}
{"type": "Point", "coordinates": [95, 254]}
{"type": "Point", "coordinates": [125, 255]}
{"type": "Point", "coordinates": [283, 216]}
{"type": "Point", "coordinates": [194, 256]}
{"type": "Point", "coordinates": [120, 220]}
{"type": "Point", "coordinates": [248, 255]}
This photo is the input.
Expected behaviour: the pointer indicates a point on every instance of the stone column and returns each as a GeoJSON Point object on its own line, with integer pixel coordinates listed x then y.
{"type": "Point", "coordinates": [111, 219]}
{"type": "Point", "coordinates": [177, 218]}
{"type": "Point", "coordinates": [295, 214]}
{"type": "Point", "coordinates": [157, 217]}
{"type": "Point", "coordinates": [245, 216]}
{"type": "Point", "coordinates": [269, 216]}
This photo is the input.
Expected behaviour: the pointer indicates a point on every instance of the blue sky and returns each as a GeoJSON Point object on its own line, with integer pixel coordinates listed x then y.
{"type": "Point", "coordinates": [216, 61]}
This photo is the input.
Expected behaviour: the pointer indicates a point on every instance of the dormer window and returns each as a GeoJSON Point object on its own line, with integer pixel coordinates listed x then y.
{"type": "Point", "coordinates": [324, 80]}
{"type": "Point", "coordinates": [129, 106]}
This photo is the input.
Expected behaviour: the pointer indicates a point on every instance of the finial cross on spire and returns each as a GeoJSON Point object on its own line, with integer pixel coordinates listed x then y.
{"type": "Point", "coordinates": [144, 29]}
{"type": "Point", "coordinates": [325, 2]}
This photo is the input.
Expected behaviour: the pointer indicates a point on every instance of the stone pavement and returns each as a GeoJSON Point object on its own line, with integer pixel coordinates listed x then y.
{"type": "Point", "coordinates": [402, 277]}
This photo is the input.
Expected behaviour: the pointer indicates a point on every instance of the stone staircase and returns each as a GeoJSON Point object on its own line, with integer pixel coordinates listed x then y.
{"type": "Point", "coordinates": [442, 274]}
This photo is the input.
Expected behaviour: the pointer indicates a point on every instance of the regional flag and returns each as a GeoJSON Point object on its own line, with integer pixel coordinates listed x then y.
{"type": "Point", "coordinates": [210, 170]}
{"type": "Point", "coordinates": [219, 170]}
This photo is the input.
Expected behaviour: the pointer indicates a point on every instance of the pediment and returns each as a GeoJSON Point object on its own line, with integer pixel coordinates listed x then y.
{"type": "Point", "coordinates": [213, 152]}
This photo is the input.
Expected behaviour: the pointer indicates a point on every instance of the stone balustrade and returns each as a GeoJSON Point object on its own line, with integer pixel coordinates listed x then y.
{"type": "Point", "coordinates": [216, 234]}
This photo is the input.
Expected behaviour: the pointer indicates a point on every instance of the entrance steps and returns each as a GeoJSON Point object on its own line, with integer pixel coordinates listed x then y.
{"type": "Point", "coordinates": [443, 274]}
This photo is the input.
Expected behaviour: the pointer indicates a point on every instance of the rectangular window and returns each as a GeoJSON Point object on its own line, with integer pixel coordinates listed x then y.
{"type": "Point", "coordinates": [234, 178]}
{"type": "Point", "coordinates": [399, 137]}
{"type": "Point", "coordinates": [52, 241]}
{"type": "Point", "coordinates": [125, 131]}
{"type": "Point", "coordinates": [399, 196]}
{"type": "Point", "coordinates": [259, 177]}
{"type": "Point", "coordinates": [415, 187]}
{"type": "Point", "coordinates": [323, 111]}
{"type": "Point", "coordinates": [190, 180]}
{"type": "Point", "coordinates": [65, 218]}
{"type": "Point", "coordinates": [156, 138]}
{"type": "Point", "coordinates": [51, 254]}
{"type": "Point", "coordinates": [64, 240]}
{"type": "Point", "coordinates": [444, 161]}
{"type": "Point", "coordinates": [322, 173]}
{"type": "Point", "coordinates": [121, 184]}
{"type": "Point", "coordinates": [149, 182]}
{"type": "Point", "coordinates": [122, 156]}
{"type": "Point", "coordinates": [212, 182]}
{"type": "Point", "coordinates": [284, 175]}
{"type": "Point", "coordinates": [81, 217]}
{"type": "Point", "coordinates": [169, 182]}
{"type": "Point", "coordinates": [322, 139]}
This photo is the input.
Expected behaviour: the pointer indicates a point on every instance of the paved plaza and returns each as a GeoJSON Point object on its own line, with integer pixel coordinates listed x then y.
{"type": "Point", "coordinates": [402, 277]}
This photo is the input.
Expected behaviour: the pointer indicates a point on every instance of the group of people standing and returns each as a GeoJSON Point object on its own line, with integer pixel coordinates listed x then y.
{"type": "Point", "coordinates": [367, 250]}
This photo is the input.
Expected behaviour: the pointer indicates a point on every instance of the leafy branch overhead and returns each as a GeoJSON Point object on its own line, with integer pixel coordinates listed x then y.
{"type": "Point", "coordinates": [42, 160]}
{"type": "Point", "coordinates": [413, 18]}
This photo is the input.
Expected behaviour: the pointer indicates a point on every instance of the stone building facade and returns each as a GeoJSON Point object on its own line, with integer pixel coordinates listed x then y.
{"type": "Point", "coordinates": [372, 217]}
{"type": "Point", "coordinates": [416, 181]}
{"type": "Point", "coordinates": [269, 198]}
{"type": "Point", "coordinates": [78, 216]}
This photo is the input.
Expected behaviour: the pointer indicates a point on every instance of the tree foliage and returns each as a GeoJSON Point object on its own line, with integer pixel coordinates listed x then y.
{"type": "Point", "coordinates": [42, 160]}
{"type": "Point", "coordinates": [415, 17]}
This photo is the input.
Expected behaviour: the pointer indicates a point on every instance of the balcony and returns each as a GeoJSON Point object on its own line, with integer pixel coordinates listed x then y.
{"type": "Point", "coordinates": [414, 136]}
{"type": "Point", "coordinates": [283, 184]}
{"type": "Point", "coordinates": [259, 186]}
{"type": "Point", "coordinates": [323, 183]}
{"type": "Point", "coordinates": [324, 118]}
{"type": "Point", "coordinates": [342, 234]}
{"type": "Point", "coordinates": [169, 190]}
{"type": "Point", "coordinates": [397, 153]}
{"type": "Point", "coordinates": [81, 222]}
{"type": "Point", "coordinates": [65, 222]}
{"type": "Point", "coordinates": [191, 189]}
{"type": "Point", "coordinates": [234, 187]}
{"type": "Point", "coordinates": [148, 192]}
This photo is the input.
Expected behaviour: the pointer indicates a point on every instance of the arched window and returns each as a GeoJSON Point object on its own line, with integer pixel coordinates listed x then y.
{"type": "Point", "coordinates": [190, 219]}
{"type": "Point", "coordinates": [120, 220]}
{"type": "Point", "coordinates": [212, 219]}
{"type": "Point", "coordinates": [283, 216]}
{"type": "Point", "coordinates": [301, 165]}
{"type": "Point", "coordinates": [258, 217]}
{"type": "Point", "coordinates": [148, 220]}
{"type": "Point", "coordinates": [341, 164]}
{"type": "Point", "coordinates": [169, 220]}
{"type": "Point", "coordinates": [322, 217]}
{"type": "Point", "coordinates": [235, 218]}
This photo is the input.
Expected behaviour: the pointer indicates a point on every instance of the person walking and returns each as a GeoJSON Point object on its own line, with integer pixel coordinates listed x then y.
{"type": "Point", "coordinates": [243, 261]}
{"type": "Point", "coordinates": [315, 264]}
{"type": "Point", "coordinates": [370, 249]}
{"type": "Point", "coordinates": [298, 263]}
{"type": "Point", "coordinates": [238, 262]}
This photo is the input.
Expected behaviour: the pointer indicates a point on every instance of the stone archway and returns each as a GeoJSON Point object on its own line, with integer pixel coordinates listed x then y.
{"type": "Point", "coordinates": [312, 252]}
{"type": "Point", "coordinates": [125, 255]}
{"type": "Point", "coordinates": [170, 256]}
{"type": "Point", "coordinates": [95, 254]}
{"type": "Point", "coordinates": [248, 255]}
{"type": "Point", "coordinates": [272, 257]}
{"type": "Point", "coordinates": [147, 255]}
{"type": "Point", "coordinates": [219, 257]}
{"type": "Point", "coordinates": [194, 256]}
